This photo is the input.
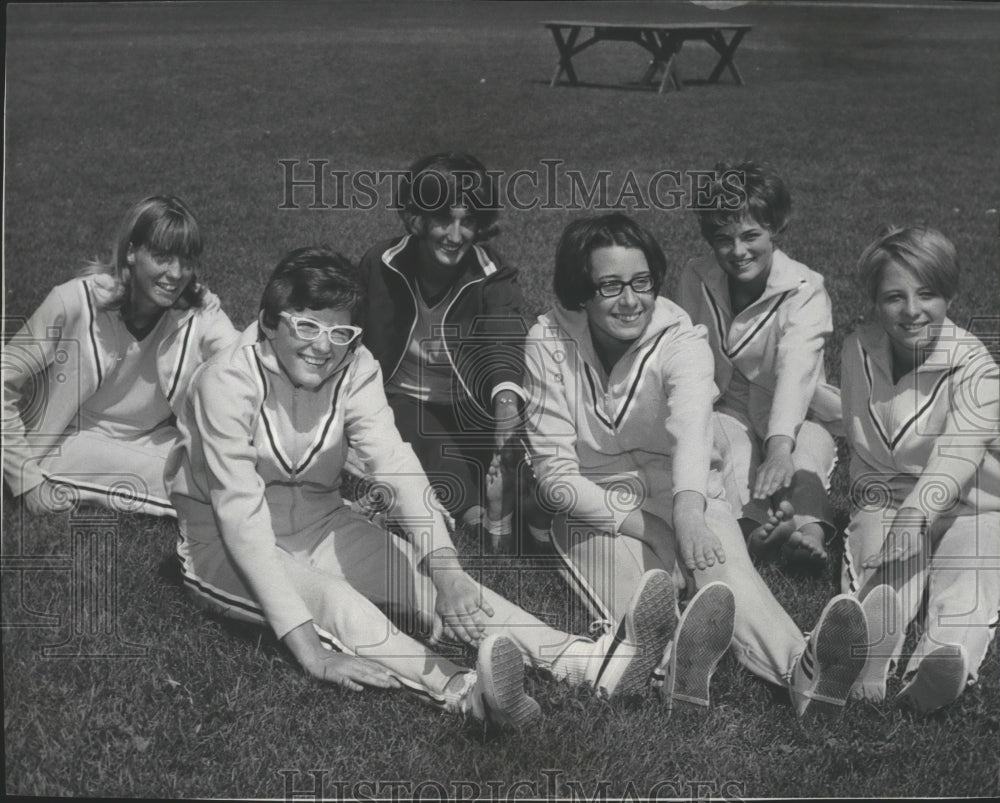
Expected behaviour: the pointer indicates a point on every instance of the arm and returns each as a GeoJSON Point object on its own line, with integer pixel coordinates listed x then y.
{"type": "Point", "coordinates": [220, 414]}
{"type": "Point", "coordinates": [27, 357]}
{"type": "Point", "coordinates": [221, 408]}
{"type": "Point", "coordinates": [971, 427]}
{"type": "Point", "coordinates": [349, 671]}
{"type": "Point", "coordinates": [370, 429]}
{"type": "Point", "coordinates": [508, 408]}
{"type": "Point", "coordinates": [556, 390]}
{"type": "Point", "coordinates": [699, 547]}
{"type": "Point", "coordinates": [211, 331]}
{"type": "Point", "coordinates": [690, 390]}
{"type": "Point", "coordinates": [216, 332]}
{"type": "Point", "coordinates": [907, 537]}
{"type": "Point", "coordinates": [461, 611]}
{"type": "Point", "coordinates": [503, 320]}
{"type": "Point", "coordinates": [806, 324]}
{"type": "Point", "coordinates": [776, 469]}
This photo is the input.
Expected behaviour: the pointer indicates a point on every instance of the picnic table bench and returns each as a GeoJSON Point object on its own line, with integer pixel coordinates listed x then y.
{"type": "Point", "coordinates": [663, 41]}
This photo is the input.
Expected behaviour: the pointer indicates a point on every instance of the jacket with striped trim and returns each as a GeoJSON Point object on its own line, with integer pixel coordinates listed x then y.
{"type": "Point", "coordinates": [930, 441]}
{"type": "Point", "coordinates": [262, 460]}
{"type": "Point", "coordinates": [483, 324]}
{"type": "Point", "coordinates": [604, 446]}
{"type": "Point", "coordinates": [776, 343]}
{"type": "Point", "coordinates": [63, 352]}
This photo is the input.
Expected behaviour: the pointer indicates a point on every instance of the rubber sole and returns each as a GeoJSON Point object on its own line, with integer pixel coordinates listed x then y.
{"type": "Point", "coordinates": [839, 648]}
{"type": "Point", "coordinates": [500, 667]}
{"type": "Point", "coordinates": [703, 636]}
{"type": "Point", "coordinates": [886, 630]}
{"type": "Point", "coordinates": [649, 626]}
{"type": "Point", "coordinates": [940, 679]}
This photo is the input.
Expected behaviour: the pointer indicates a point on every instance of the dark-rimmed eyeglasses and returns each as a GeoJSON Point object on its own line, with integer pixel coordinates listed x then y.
{"type": "Point", "coordinates": [615, 287]}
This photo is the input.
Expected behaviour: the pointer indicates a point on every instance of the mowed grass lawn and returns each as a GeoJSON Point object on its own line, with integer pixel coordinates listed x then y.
{"type": "Point", "coordinates": [871, 114]}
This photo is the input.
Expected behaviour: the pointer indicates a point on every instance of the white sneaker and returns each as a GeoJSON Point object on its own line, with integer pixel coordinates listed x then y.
{"type": "Point", "coordinates": [497, 694]}
{"type": "Point", "coordinates": [623, 661]}
{"type": "Point", "coordinates": [939, 680]}
{"type": "Point", "coordinates": [703, 635]}
{"type": "Point", "coordinates": [834, 656]}
{"type": "Point", "coordinates": [886, 630]}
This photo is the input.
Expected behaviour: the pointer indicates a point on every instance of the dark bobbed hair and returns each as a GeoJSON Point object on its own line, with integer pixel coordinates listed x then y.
{"type": "Point", "coordinates": [572, 282]}
{"type": "Point", "coordinates": [745, 190]}
{"type": "Point", "coordinates": [164, 224]}
{"type": "Point", "coordinates": [436, 183]}
{"type": "Point", "coordinates": [316, 278]}
{"type": "Point", "coordinates": [926, 253]}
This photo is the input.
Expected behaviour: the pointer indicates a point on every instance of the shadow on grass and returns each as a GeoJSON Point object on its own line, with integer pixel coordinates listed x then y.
{"type": "Point", "coordinates": [627, 86]}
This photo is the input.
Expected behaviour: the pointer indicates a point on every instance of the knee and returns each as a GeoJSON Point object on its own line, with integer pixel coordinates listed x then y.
{"type": "Point", "coordinates": [730, 433]}
{"type": "Point", "coordinates": [814, 449]}
{"type": "Point", "coordinates": [967, 593]}
{"type": "Point", "coordinates": [721, 521]}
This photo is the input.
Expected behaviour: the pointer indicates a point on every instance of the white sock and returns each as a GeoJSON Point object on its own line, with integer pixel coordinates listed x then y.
{"type": "Point", "coordinates": [456, 691]}
{"type": "Point", "coordinates": [502, 527]}
{"type": "Point", "coordinates": [573, 662]}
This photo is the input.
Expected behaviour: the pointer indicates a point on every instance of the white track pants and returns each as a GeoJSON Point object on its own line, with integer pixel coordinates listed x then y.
{"type": "Point", "coordinates": [343, 574]}
{"type": "Point", "coordinates": [961, 578]}
{"type": "Point", "coordinates": [814, 458]}
{"type": "Point", "coordinates": [120, 473]}
{"type": "Point", "coordinates": [605, 569]}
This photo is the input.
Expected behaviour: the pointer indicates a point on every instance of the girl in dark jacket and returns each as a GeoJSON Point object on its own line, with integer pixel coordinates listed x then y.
{"type": "Point", "coordinates": [444, 320]}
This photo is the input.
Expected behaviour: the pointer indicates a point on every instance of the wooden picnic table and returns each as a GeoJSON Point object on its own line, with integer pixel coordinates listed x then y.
{"type": "Point", "coordinates": [663, 41]}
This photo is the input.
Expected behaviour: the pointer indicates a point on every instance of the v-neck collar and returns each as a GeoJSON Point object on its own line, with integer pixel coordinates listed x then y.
{"type": "Point", "coordinates": [139, 335]}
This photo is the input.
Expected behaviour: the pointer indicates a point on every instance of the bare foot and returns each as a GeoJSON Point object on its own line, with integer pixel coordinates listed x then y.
{"type": "Point", "coordinates": [766, 539]}
{"type": "Point", "coordinates": [806, 547]}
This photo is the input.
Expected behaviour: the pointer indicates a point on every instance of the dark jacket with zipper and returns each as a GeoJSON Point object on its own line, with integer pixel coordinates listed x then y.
{"type": "Point", "coordinates": [484, 329]}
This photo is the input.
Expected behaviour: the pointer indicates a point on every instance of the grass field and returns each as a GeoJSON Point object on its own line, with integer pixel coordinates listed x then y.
{"type": "Point", "coordinates": [872, 114]}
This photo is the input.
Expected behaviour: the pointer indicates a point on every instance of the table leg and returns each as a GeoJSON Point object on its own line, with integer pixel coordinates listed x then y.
{"type": "Point", "coordinates": [669, 47]}
{"type": "Point", "coordinates": [726, 51]}
{"type": "Point", "coordinates": [565, 54]}
{"type": "Point", "coordinates": [648, 41]}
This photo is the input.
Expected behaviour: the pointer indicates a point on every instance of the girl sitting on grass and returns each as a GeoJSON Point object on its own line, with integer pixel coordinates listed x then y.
{"type": "Point", "coordinates": [92, 381]}
{"type": "Point", "coordinates": [921, 403]}
{"type": "Point", "coordinates": [621, 438]}
{"type": "Point", "coordinates": [265, 536]}
{"type": "Point", "coordinates": [443, 318]}
{"type": "Point", "coordinates": [768, 319]}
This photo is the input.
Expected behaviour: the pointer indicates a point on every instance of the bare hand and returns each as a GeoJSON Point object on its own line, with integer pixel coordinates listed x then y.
{"type": "Point", "coordinates": [349, 671]}
{"type": "Point", "coordinates": [461, 610]}
{"type": "Point", "coordinates": [777, 470]}
{"type": "Point", "coordinates": [905, 539]}
{"type": "Point", "coordinates": [699, 546]}
{"type": "Point", "coordinates": [506, 417]}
